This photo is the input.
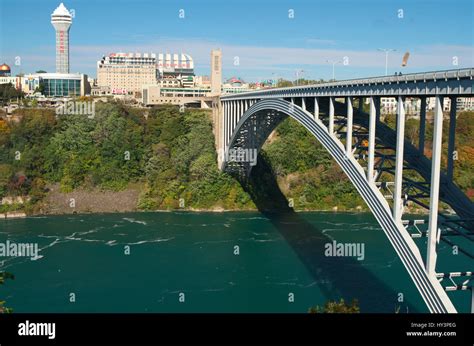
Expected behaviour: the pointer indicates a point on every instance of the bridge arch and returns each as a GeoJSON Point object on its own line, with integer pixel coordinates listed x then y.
{"type": "Point", "coordinates": [252, 130]}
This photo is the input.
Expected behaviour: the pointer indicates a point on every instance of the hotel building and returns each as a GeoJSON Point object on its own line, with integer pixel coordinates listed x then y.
{"type": "Point", "coordinates": [127, 73]}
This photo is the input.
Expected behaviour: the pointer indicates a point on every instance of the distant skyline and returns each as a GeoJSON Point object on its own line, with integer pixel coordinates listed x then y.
{"type": "Point", "coordinates": [258, 34]}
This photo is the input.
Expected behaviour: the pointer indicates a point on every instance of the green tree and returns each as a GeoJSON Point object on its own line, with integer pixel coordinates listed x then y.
{"type": "Point", "coordinates": [341, 307]}
{"type": "Point", "coordinates": [9, 92]}
{"type": "Point", "coordinates": [4, 276]}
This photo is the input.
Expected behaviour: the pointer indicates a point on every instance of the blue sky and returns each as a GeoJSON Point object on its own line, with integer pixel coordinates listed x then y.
{"type": "Point", "coordinates": [266, 42]}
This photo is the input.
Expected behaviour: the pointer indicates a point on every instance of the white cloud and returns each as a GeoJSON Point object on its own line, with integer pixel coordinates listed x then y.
{"type": "Point", "coordinates": [320, 41]}
{"type": "Point", "coordinates": [261, 58]}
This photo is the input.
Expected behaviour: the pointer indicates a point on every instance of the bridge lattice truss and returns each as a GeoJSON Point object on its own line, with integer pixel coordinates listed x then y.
{"type": "Point", "coordinates": [387, 170]}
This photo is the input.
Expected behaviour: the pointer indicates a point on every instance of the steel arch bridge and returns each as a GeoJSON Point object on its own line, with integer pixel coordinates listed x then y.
{"type": "Point", "coordinates": [368, 151]}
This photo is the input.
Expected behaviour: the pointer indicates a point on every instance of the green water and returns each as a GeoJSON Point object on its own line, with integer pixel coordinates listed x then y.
{"type": "Point", "coordinates": [193, 253]}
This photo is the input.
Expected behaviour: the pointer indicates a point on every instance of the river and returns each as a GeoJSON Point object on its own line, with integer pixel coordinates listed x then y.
{"type": "Point", "coordinates": [203, 262]}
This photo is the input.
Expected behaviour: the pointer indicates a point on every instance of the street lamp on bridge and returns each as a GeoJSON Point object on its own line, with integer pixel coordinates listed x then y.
{"type": "Point", "coordinates": [386, 50]}
{"type": "Point", "coordinates": [297, 73]}
{"type": "Point", "coordinates": [333, 62]}
{"type": "Point", "coordinates": [274, 80]}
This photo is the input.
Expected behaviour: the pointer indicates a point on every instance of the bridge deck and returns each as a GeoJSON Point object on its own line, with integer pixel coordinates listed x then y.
{"type": "Point", "coordinates": [451, 82]}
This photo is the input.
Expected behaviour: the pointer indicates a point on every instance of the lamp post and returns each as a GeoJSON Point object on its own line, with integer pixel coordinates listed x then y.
{"type": "Point", "coordinates": [298, 74]}
{"type": "Point", "coordinates": [333, 62]}
{"type": "Point", "coordinates": [386, 50]}
{"type": "Point", "coordinates": [274, 78]}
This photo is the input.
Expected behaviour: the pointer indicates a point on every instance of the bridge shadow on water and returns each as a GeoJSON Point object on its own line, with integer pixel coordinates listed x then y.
{"type": "Point", "coordinates": [337, 277]}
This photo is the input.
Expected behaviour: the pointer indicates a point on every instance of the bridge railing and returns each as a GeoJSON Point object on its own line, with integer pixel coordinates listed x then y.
{"type": "Point", "coordinates": [412, 77]}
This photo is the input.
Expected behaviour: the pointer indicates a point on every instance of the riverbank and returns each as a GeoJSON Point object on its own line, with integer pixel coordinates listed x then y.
{"type": "Point", "coordinates": [87, 201]}
{"type": "Point", "coordinates": [96, 201]}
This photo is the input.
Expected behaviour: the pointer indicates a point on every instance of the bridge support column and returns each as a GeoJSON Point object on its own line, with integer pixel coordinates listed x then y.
{"type": "Point", "coordinates": [452, 138]}
{"type": "Point", "coordinates": [361, 104]}
{"type": "Point", "coordinates": [370, 166]}
{"type": "Point", "coordinates": [377, 109]}
{"type": "Point", "coordinates": [350, 112]}
{"type": "Point", "coordinates": [331, 116]}
{"type": "Point", "coordinates": [227, 119]}
{"type": "Point", "coordinates": [303, 103]}
{"type": "Point", "coordinates": [218, 109]}
{"type": "Point", "coordinates": [397, 198]}
{"type": "Point", "coordinates": [434, 193]}
{"type": "Point", "coordinates": [231, 119]}
{"type": "Point", "coordinates": [226, 114]}
{"type": "Point", "coordinates": [224, 127]}
{"type": "Point", "coordinates": [472, 300]}
{"type": "Point", "coordinates": [237, 115]}
{"type": "Point", "coordinates": [229, 122]}
{"type": "Point", "coordinates": [316, 108]}
{"type": "Point", "coordinates": [421, 139]}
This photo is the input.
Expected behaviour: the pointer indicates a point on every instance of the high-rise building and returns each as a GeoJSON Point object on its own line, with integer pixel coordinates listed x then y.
{"type": "Point", "coordinates": [127, 73]}
{"type": "Point", "coordinates": [62, 20]}
{"type": "Point", "coordinates": [216, 71]}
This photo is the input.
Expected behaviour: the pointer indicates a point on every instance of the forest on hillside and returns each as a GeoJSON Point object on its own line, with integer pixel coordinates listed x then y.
{"type": "Point", "coordinates": [170, 156]}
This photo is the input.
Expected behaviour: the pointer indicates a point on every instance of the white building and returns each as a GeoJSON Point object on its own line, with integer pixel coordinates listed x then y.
{"type": "Point", "coordinates": [61, 19]}
{"type": "Point", "coordinates": [465, 103]}
{"type": "Point", "coordinates": [413, 105]}
{"type": "Point", "coordinates": [129, 72]}
{"type": "Point", "coordinates": [56, 84]}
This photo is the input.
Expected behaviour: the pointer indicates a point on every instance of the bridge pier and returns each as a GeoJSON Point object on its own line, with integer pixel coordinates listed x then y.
{"type": "Point", "coordinates": [397, 195]}
{"type": "Point", "coordinates": [316, 108]}
{"type": "Point", "coordinates": [226, 126]}
{"type": "Point", "coordinates": [236, 115]}
{"type": "Point", "coordinates": [377, 109]}
{"type": "Point", "coordinates": [421, 140]}
{"type": "Point", "coordinates": [219, 116]}
{"type": "Point", "coordinates": [433, 230]}
{"type": "Point", "coordinates": [360, 106]}
{"type": "Point", "coordinates": [451, 137]}
{"type": "Point", "coordinates": [350, 112]}
{"type": "Point", "coordinates": [370, 165]}
{"type": "Point", "coordinates": [231, 122]}
{"type": "Point", "coordinates": [472, 300]}
{"type": "Point", "coordinates": [331, 116]}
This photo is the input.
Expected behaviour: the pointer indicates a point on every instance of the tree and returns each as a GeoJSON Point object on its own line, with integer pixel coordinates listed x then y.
{"type": "Point", "coordinates": [340, 307]}
{"type": "Point", "coordinates": [3, 277]}
{"type": "Point", "coordinates": [8, 92]}
{"type": "Point", "coordinates": [284, 83]}
{"type": "Point", "coordinates": [40, 89]}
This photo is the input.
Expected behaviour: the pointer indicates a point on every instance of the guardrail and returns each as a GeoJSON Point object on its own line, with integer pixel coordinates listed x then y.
{"type": "Point", "coordinates": [458, 74]}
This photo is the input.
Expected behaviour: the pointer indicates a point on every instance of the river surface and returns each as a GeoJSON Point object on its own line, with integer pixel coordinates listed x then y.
{"type": "Point", "coordinates": [203, 262]}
